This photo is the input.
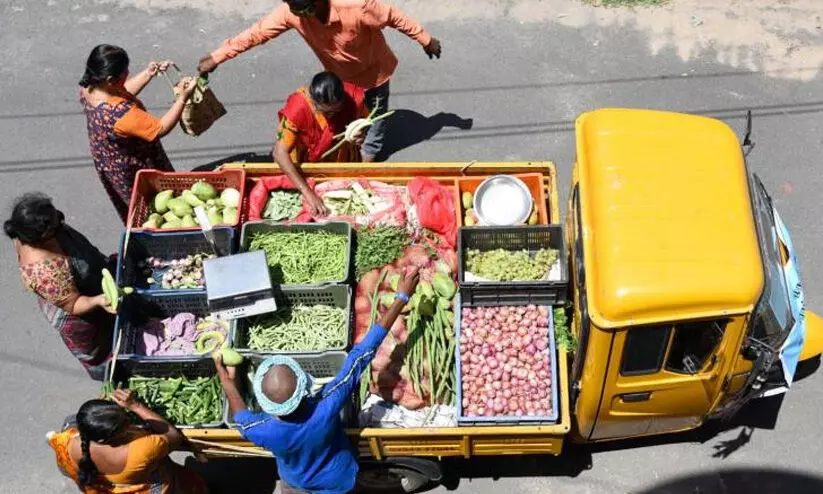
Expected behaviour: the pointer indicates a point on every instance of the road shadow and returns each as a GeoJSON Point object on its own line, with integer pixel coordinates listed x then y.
{"type": "Point", "coordinates": [405, 128]}
{"type": "Point", "coordinates": [740, 480]}
{"type": "Point", "coordinates": [236, 475]}
{"type": "Point", "coordinates": [250, 157]}
{"type": "Point", "coordinates": [576, 458]}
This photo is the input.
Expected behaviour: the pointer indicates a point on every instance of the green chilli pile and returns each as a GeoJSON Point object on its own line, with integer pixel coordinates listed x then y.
{"type": "Point", "coordinates": [303, 257]}
{"type": "Point", "coordinates": [504, 265]}
{"type": "Point", "coordinates": [300, 328]}
{"type": "Point", "coordinates": [379, 246]}
{"type": "Point", "coordinates": [180, 400]}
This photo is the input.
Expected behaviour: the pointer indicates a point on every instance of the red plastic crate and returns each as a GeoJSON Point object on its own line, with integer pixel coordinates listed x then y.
{"type": "Point", "coordinates": [149, 182]}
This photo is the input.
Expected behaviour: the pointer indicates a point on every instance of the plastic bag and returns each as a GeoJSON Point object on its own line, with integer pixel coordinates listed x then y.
{"type": "Point", "coordinates": [259, 197]}
{"type": "Point", "coordinates": [435, 208]}
{"type": "Point", "coordinates": [390, 211]}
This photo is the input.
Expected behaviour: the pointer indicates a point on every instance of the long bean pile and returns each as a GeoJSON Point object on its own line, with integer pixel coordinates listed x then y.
{"type": "Point", "coordinates": [299, 258]}
{"type": "Point", "coordinates": [379, 246]}
{"type": "Point", "coordinates": [299, 328]}
{"type": "Point", "coordinates": [180, 400]}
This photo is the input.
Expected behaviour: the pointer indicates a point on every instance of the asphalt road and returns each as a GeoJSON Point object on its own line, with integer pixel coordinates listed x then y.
{"type": "Point", "coordinates": [521, 80]}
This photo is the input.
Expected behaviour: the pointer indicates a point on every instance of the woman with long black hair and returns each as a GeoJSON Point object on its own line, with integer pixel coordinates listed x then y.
{"type": "Point", "coordinates": [64, 270]}
{"type": "Point", "coordinates": [124, 138]}
{"type": "Point", "coordinates": [106, 453]}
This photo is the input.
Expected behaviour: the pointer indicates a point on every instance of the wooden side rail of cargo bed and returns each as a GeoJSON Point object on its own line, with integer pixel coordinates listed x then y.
{"type": "Point", "coordinates": [380, 443]}
{"type": "Point", "coordinates": [394, 172]}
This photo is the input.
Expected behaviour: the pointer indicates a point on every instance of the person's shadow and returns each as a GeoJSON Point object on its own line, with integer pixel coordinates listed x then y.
{"type": "Point", "coordinates": [405, 128]}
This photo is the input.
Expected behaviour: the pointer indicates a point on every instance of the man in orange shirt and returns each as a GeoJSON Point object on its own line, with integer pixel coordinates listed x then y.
{"type": "Point", "coordinates": [347, 37]}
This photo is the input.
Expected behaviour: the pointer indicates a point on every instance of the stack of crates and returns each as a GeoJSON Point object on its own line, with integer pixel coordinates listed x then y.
{"type": "Point", "coordinates": [549, 293]}
{"type": "Point", "coordinates": [150, 301]}
{"type": "Point", "coordinates": [322, 364]}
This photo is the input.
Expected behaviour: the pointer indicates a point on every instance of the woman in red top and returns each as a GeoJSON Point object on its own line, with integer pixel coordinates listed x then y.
{"type": "Point", "coordinates": [123, 137]}
{"type": "Point", "coordinates": [308, 123]}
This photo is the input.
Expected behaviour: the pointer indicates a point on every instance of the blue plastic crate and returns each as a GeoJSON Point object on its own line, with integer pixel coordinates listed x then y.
{"type": "Point", "coordinates": [166, 245]}
{"type": "Point", "coordinates": [552, 418]}
{"type": "Point", "coordinates": [137, 309]}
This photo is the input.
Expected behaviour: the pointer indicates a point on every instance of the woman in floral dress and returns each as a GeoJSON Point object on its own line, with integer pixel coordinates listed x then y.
{"type": "Point", "coordinates": [64, 270]}
{"type": "Point", "coordinates": [124, 138]}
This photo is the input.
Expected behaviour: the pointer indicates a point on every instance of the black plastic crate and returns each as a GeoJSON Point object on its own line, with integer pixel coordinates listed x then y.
{"type": "Point", "coordinates": [339, 296]}
{"type": "Point", "coordinates": [165, 245]}
{"type": "Point", "coordinates": [513, 238]}
{"type": "Point", "coordinates": [337, 228]}
{"type": "Point", "coordinates": [322, 367]}
{"type": "Point", "coordinates": [139, 308]}
{"type": "Point", "coordinates": [552, 418]}
{"type": "Point", "coordinates": [182, 367]}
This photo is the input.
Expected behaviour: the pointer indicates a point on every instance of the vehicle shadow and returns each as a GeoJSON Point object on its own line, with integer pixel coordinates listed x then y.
{"type": "Point", "coordinates": [740, 480]}
{"type": "Point", "coordinates": [405, 128]}
{"type": "Point", "coordinates": [576, 458]}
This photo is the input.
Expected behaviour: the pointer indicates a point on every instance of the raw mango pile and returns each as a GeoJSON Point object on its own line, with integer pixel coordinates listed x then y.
{"type": "Point", "coordinates": [170, 211]}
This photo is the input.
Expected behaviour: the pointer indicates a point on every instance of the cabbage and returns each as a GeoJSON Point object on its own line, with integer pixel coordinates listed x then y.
{"type": "Point", "coordinates": [231, 198]}
{"type": "Point", "coordinates": [230, 216]}
{"type": "Point", "coordinates": [203, 190]}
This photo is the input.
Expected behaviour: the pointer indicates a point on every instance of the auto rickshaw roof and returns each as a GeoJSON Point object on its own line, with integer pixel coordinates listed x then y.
{"type": "Point", "coordinates": [668, 228]}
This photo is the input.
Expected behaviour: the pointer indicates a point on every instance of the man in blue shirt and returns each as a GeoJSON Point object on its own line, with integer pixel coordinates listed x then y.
{"type": "Point", "coordinates": [304, 431]}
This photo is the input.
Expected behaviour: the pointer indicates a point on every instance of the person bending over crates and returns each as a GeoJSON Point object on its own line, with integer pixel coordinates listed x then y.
{"type": "Point", "coordinates": [304, 431]}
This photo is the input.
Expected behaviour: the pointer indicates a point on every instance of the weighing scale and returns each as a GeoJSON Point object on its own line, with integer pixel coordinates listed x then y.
{"type": "Point", "coordinates": [239, 285]}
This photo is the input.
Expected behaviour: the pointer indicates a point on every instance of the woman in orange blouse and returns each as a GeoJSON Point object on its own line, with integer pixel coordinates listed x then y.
{"type": "Point", "coordinates": [105, 453]}
{"type": "Point", "coordinates": [64, 270]}
{"type": "Point", "coordinates": [124, 138]}
{"type": "Point", "coordinates": [310, 119]}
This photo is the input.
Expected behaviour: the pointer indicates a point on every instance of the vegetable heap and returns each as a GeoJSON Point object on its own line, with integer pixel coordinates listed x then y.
{"type": "Point", "coordinates": [180, 400]}
{"type": "Point", "coordinates": [183, 334]}
{"type": "Point", "coordinates": [283, 205]}
{"type": "Point", "coordinates": [379, 246]}
{"type": "Point", "coordinates": [169, 211]}
{"type": "Point", "coordinates": [414, 366]}
{"type": "Point", "coordinates": [176, 274]}
{"type": "Point", "coordinates": [353, 201]}
{"type": "Point", "coordinates": [505, 361]}
{"type": "Point", "coordinates": [504, 265]}
{"type": "Point", "coordinates": [299, 328]}
{"type": "Point", "coordinates": [302, 257]}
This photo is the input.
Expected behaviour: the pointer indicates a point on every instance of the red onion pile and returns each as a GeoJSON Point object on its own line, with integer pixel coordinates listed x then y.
{"type": "Point", "coordinates": [504, 360]}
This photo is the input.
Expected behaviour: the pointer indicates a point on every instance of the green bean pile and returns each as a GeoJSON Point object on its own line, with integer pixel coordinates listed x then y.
{"type": "Point", "coordinates": [180, 400]}
{"type": "Point", "coordinates": [379, 246]}
{"type": "Point", "coordinates": [300, 328]}
{"type": "Point", "coordinates": [303, 258]}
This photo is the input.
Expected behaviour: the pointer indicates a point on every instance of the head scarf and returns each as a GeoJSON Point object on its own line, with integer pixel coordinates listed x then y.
{"type": "Point", "coordinates": [301, 390]}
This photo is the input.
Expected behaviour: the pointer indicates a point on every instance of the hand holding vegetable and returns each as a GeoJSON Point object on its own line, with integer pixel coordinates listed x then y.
{"type": "Point", "coordinates": [316, 205]}
{"type": "Point", "coordinates": [224, 373]}
{"type": "Point", "coordinates": [409, 284]}
{"type": "Point", "coordinates": [103, 302]}
{"type": "Point", "coordinates": [125, 398]}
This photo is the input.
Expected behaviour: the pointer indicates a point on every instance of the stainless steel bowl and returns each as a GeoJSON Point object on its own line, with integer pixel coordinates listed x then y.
{"type": "Point", "coordinates": [502, 200]}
